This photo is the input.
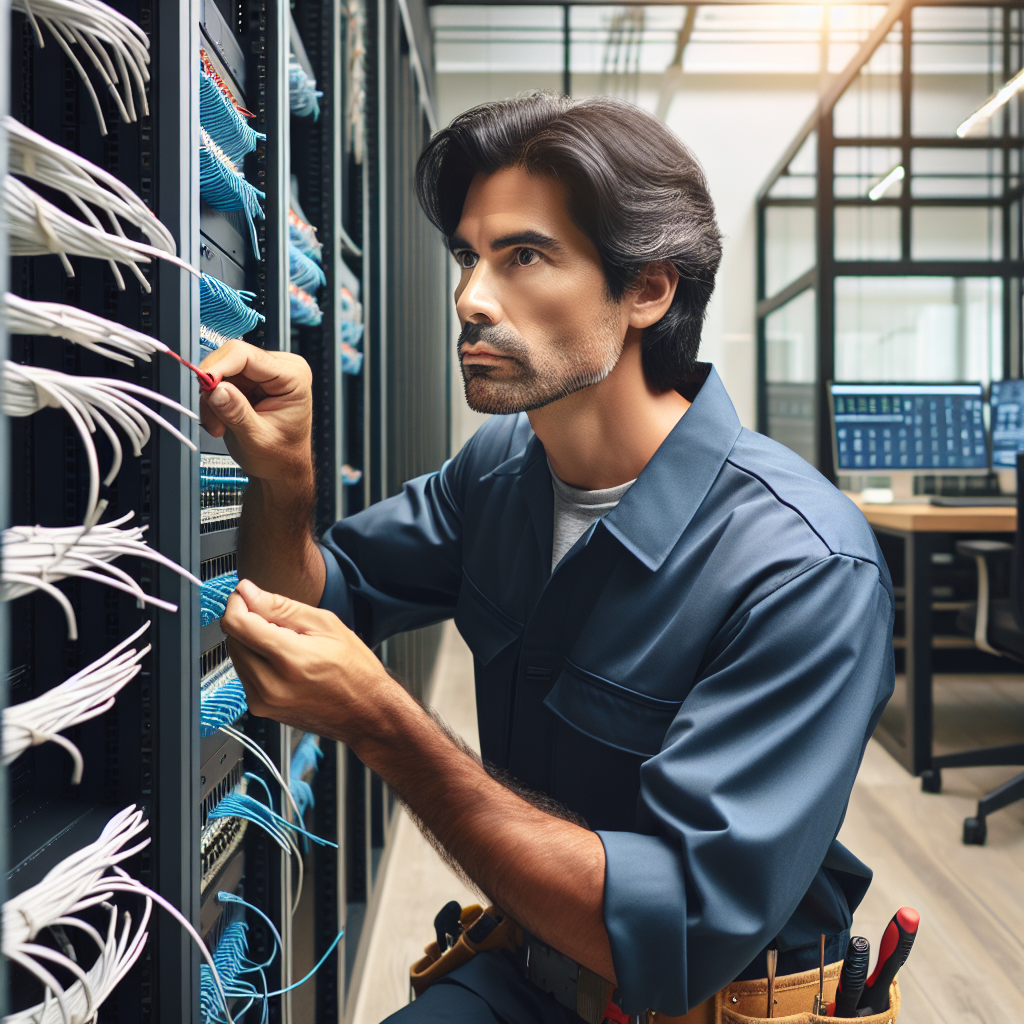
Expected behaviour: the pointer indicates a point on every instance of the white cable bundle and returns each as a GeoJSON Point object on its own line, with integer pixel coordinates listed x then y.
{"type": "Point", "coordinates": [35, 156]}
{"type": "Point", "coordinates": [85, 695]}
{"type": "Point", "coordinates": [34, 557]}
{"type": "Point", "coordinates": [71, 885]}
{"type": "Point", "coordinates": [117, 955]}
{"type": "Point", "coordinates": [37, 227]}
{"type": "Point", "coordinates": [24, 316]}
{"type": "Point", "coordinates": [88, 878]}
{"type": "Point", "coordinates": [97, 28]}
{"type": "Point", "coordinates": [91, 402]}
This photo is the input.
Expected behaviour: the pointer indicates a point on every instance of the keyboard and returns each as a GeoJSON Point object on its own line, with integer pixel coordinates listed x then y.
{"type": "Point", "coordinates": [974, 501]}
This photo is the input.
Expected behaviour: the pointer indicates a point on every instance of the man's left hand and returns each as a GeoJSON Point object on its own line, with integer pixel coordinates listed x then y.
{"type": "Point", "coordinates": [303, 666]}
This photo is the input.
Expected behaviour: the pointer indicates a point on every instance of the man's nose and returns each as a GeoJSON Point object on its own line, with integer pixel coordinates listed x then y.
{"type": "Point", "coordinates": [477, 302]}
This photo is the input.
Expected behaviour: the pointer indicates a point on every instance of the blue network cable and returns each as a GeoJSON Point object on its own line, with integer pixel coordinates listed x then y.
{"type": "Point", "coordinates": [232, 959]}
{"type": "Point", "coordinates": [304, 309]}
{"type": "Point", "coordinates": [241, 805]}
{"type": "Point", "coordinates": [224, 187]}
{"type": "Point", "coordinates": [304, 760]}
{"type": "Point", "coordinates": [220, 117]}
{"type": "Point", "coordinates": [303, 237]}
{"type": "Point", "coordinates": [302, 271]}
{"type": "Point", "coordinates": [303, 95]}
{"type": "Point", "coordinates": [213, 597]}
{"type": "Point", "coordinates": [351, 332]}
{"type": "Point", "coordinates": [224, 310]}
{"type": "Point", "coordinates": [351, 359]}
{"type": "Point", "coordinates": [237, 953]}
{"type": "Point", "coordinates": [221, 699]}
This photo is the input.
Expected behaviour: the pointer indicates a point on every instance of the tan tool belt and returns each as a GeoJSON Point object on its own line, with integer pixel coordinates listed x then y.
{"type": "Point", "coordinates": [742, 1002]}
{"type": "Point", "coordinates": [746, 1002]}
{"type": "Point", "coordinates": [477, 937]}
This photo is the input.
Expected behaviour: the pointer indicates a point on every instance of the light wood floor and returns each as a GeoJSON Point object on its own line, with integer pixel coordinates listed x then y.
{"type": "Point", "coordinates": [968, 963]}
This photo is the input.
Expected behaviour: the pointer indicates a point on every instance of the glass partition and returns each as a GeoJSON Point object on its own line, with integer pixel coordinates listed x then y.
{"type": "Point", "coordinates": [918, 329]}
{"type": "Point", "coordinates": [791, 370]}
{"type": "Point", "coordinates": [913, 254]}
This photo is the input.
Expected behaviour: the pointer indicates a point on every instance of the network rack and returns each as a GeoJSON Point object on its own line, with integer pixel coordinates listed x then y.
{"type": "Point", "coordinates": [325, 177]}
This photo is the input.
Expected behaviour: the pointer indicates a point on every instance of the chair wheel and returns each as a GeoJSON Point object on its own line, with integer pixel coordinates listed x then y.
{"type": "Point", "coordinates": [931, 780]}
{"type": "Point", "coordinates": [975, 831]}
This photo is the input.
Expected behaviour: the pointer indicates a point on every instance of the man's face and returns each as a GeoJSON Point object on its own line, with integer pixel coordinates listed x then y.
{"type": "Point", "coordinates": [538, 323]}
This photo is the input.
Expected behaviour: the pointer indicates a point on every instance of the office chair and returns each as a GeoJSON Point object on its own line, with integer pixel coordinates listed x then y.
{"type": "Point", "coordinates": [998, 628]}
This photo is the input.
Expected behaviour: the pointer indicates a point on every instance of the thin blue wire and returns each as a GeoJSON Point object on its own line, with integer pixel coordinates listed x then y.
{"type": "Point", "coordinates": [230, 897]}
{"type": "Point", "coordinates": [320, 963]}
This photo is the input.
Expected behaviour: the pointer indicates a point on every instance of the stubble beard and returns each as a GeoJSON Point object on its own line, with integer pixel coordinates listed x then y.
{"type": "Point", "coordinates": [535, 383]}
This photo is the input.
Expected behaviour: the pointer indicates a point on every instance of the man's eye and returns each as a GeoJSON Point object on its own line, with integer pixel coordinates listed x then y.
{"type": "Point", "coordinates": [526, 257]}
{"type": "Point", "coordinates": [466, 260]}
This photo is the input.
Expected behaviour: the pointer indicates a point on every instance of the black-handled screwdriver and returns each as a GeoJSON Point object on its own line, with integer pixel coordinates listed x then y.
{"type": "Point", "coordinates": [897, 940]}
{"type": "Point", "coordinates": [852, 978]}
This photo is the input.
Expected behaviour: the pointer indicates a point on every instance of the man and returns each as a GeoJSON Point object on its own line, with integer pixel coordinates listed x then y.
{"type": "Point", "coordinates": [682, 633]}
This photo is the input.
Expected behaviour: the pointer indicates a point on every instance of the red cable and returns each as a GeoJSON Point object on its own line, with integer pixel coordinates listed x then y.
{"type": "Point", "coordinates": [207, 381]}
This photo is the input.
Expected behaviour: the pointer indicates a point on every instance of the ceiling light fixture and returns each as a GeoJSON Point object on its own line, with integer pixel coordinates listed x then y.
{"type": "Point", "coordinates": [993, 103]}
{"type": "Point", "coordinates": [877, 191]}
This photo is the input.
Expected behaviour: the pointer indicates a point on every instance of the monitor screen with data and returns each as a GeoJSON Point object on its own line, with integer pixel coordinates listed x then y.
{"type": "Point", "coordinates": [910, 428]}
{"type": "Point", "coordinates": [1007, 422]}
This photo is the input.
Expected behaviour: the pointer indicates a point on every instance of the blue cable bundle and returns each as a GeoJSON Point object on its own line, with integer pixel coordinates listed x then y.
{"type": "Point", "coordinates": [351, 359]}
{"type": "Point", "coordinates": [351, 332]}
{"type": "Point", "coordinates": [304, 308]}
{"type": "Point", "coordinates": [302, 271]}
{"type": "Point", "coordinates": [239, 950]}
{"type": "Point", "coordinates": [213, 598]}
{"type": "Point", "coordinates": [221, 699]}
{"type": "Point", "coordinates": [304, 760]}
{"type": "Point", "coordinates": [223, 186]}
{"type": "Point", "coordinates": [224, 310]}
{"type": "Point", "coordinates": [232, 959]}
{"type": "Point", "coordinates": [241, 805]}
{"type": "Point", "coordinates": [303, 95]}
{"type": "Point", "coordinates": [220, 117]}
{"type": "Point", "coordinates": [303, 237]}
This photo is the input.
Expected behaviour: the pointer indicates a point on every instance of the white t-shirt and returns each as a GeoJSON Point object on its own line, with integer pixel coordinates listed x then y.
{"type": "Point", "coordinates": [576, 510]}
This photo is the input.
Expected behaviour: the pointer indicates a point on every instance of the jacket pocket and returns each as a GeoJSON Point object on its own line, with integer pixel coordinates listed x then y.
{"type": "Point", "coordinates": [624, 719]}
{"type": "Point", "coordinates": [604, 733]}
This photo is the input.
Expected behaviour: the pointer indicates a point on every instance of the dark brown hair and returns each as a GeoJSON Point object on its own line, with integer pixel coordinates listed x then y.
{"type": "Point", "coordinates": [632, 187]}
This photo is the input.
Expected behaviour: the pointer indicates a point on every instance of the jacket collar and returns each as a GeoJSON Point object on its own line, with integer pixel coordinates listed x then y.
{"type": "Point", "coordinates": [656, 510]}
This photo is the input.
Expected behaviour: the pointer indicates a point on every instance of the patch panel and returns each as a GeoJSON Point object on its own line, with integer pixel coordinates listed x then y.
{"type": "Point", "coordinates": [221, 488]}
{"type": "Point", "coordinates": [221, 770]}
{"type": "Point", "coordinates": [221, 840]}
{"type": "Point", "coordinates": [213, 914]}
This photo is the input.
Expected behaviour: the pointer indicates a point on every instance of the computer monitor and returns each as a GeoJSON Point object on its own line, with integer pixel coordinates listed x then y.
{"type": "Point", "coordinates": [1007, 422]}
{"type": "Point", "coordinates": [884, 429]}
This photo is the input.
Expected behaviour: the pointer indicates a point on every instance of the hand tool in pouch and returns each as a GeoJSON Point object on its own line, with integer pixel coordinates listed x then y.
{"type": "Point", "coordinates": [851, 978]}
{"type": "Point", "coordinates": [773, 962]}
{"type": "Point", "coordinates": [819, 999]}
{"type": "Point", "coordinates": [897, 940]}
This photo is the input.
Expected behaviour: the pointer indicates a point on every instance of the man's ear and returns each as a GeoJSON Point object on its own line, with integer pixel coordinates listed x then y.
{"type": "Point", "coordinates": [653, 294]}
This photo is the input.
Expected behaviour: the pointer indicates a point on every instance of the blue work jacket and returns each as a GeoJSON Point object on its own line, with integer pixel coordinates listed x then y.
{"type": "Point", "coordinates": [697, 678]}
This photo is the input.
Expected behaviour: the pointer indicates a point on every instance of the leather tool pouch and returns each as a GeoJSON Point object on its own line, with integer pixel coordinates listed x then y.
{"type": "Point", "coordinates": [746, 1002]}
{"type": "Point", "coordinates": [482, 930]}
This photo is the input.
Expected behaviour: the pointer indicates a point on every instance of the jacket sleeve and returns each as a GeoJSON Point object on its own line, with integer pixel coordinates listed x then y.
{"type": "Point", "coordinates": [750, 786]}
{"type": "Point", "coordinates": [398, 564]}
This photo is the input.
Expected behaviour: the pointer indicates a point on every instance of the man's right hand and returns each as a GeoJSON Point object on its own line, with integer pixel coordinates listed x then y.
{"type": "Point", "coordinates": [263, 410]}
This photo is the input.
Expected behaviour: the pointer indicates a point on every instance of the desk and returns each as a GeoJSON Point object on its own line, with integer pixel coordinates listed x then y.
{"type": "Point", "coordinates": [918, 526]}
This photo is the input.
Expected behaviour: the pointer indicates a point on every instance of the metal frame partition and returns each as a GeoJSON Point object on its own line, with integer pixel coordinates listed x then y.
{"type": "Point", "coordinates": [890, 248]}
{"type": "Point", "coordinates": [878, 187]}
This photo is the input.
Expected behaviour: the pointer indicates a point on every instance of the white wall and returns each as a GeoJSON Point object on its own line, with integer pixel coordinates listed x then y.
{"type": "Point", "coordinates": [737, 126]}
